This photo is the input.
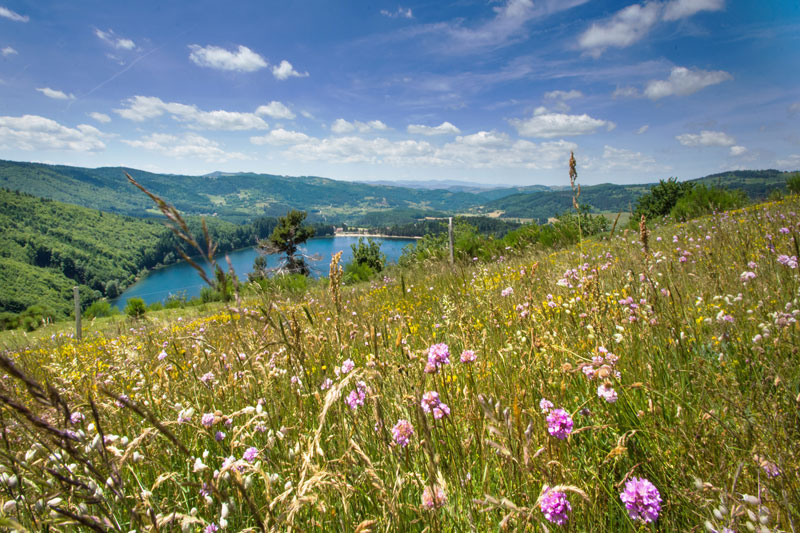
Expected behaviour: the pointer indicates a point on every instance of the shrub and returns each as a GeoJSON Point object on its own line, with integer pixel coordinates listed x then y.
{"type": "Point", "coordinates": [155, 306]}
{"type": "Point", "coordinates": [356, 272]}
{"type": "Point", "coordinates": [661, 199]}
{"type": "Point", "coordinates": [98, 309]}
{"type": "Point", "coordinates": [702, 200]}
{"type": "Point", "coordinates": [135, 308]}
{"type": "Point", "coordinates": [793, 183]}
{"type": "Point", "coordinates": [368, 253]}
{"type": "Point", "coordinates": [35, 316]}
{"type": "Point", "coordinates": [9, 320]}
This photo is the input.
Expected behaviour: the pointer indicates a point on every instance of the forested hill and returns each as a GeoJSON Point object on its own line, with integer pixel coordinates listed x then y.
{"type": "Point", "coordinates": [47, 247]}
{"type": "Point", "coordinates": [608, 197]}
{"type": "Point", "coordinates": [235, 197]}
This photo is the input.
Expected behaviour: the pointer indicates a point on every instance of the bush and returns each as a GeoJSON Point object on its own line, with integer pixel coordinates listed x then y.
{"type": "Point", "coordinates": [155, 306]}
{"type": "Point", "coordinates": [35, 316]}
{"type": "Point", "coordinates": [355, 272]}
{"type": "Point", "coordinates": [9, 320]}
{"type": "Point", "coordinates": [793, 183]}
{"type": "Point", "coordinates": [98, 309]}
{"type": "Point", "coordinates": [368, 253]}
{"type": "Point", "coordinates": [660, 199]}
{"type": "Point", "coordinates": [135, 308]}
{"type": "Point", "coordinates": [702, 200]}
{"type": "Point", "coordinates": [175, 301]}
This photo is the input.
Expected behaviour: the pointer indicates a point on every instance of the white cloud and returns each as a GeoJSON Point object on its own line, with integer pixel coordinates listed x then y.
{"type": "Point", "coordinates": [275, 110]}
{"type": "Point", "coordinates": [307, 114]}
{"type": "Point", "coordinates": [683, 81]}
{"type": "Point", "coordinates": [242, 60]}
{"type": "Point", "coordinates": [547, 125]}
{"type": "Point", "coordinates": [340, 125]}
{"type": "Point", "coordinates": [625, 92]}
{"type": "Point", "coordinates": [285, 70]}
{"type": "Point", "coordinates": [623, 29]}
{"type": "Point", "coordinates": [189, 145]}
{"type": "Point", "coordinates": [445, 128]}
{"type": "Point", "coordinates": [8, 51]}
{"type": "Point", "coordinates": [16, 17]}
{"type": "Point", "coordinates": [794, 108]}
{"type": "Point", "coordinates": [281, 136]}
{"type": "Point", "coordinates": [508, 22]}
{"type": "Point", "coordinates": [479, 150]}
{"type": "Point", "coordinates": [643, 129]}
{"type": "Point", "coordinates": [622, 159]}
{"type": "Point", "coordinates": [738, 150]}
{"type": "Point", "coordinates": [792, 162]}
{"type": "Point", "coordinates": [54, 94]}
{"type": "Point", "coordinates": [563, 95]}
{"type": "Point", "coordinates": [117, 42]}
{"type": "Point", "coordinates": [706, 138]}
{"type": "Point", "coordinates": [141, 108]}
{"type": "Point", "coordinates": [678, 9]}
{"type": "Point", "coordinates": [100, 117]}
{"type": "Point", "coordinates": [33, 132]}
{"type": "Point", "coordinates": [400, 13]}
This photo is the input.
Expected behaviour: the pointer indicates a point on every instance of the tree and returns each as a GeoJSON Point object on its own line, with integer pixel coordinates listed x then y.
{"type": "Point", "coordinates": [659, 201]}
{"type": "Point", "coordinates": [286, 237]}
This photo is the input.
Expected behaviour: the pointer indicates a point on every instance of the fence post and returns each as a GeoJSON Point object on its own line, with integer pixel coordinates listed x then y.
{"type": "Point", "coordinates": [450, 235]}
{"type": "Point", "coordinates": [77, 298]}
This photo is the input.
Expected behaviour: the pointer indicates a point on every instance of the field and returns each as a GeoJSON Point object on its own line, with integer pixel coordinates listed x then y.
{"type": "Point", "coordinates": [527, 393]}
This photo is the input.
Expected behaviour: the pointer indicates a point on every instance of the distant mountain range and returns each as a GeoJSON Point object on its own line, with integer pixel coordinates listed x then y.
{"type": "Point", "coordinates": [240, 197]}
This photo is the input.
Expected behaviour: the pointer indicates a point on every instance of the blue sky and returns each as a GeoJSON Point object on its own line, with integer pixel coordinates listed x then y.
{"type": "Point", "coordinates": [484, 91]}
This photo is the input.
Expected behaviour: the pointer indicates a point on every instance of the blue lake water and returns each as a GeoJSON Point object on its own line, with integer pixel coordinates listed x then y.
{"type": "Point", "coordinates": [182, 279]}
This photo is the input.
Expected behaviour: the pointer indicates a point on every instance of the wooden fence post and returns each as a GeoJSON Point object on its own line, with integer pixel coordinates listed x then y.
{"type": "Point", "coordinates": [77, 298]}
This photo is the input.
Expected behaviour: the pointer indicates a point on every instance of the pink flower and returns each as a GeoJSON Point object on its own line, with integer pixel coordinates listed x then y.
{"type": "Point", "coordinates": [641, 499]}
{"type": "Point", "coordinates": [507, 292]}
{"type": "Point", "coordinates": [402, 432]}
{"type": "Point", "coordinates": [545, 405]}
{"type": "Point", "coordinates": [468, 356]}
{"type": "Point", "coordinates": [555, 506]}
{"type": "Point", "coordinates": [607, 393]}
{"type": "Point", "coordinates": [431, 404]}
{"type": "Point", "coordinates": [559, 423]}
{"type": "Point", "coordinates": [438, 355]}
{"type": "Point", "coordinates": [250, 454]}
{"type": "Point", "coordinates": [433, 498]}
{"type": "Point", "coordinates": [347, 366]}
{"type": "Point", "coordinates": [208, 420]}
{"type": "Point", "coordinates": [357, 396]}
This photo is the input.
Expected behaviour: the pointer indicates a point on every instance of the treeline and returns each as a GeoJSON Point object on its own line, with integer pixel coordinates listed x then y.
{"type": "Point", "coordinates": [488, 226]}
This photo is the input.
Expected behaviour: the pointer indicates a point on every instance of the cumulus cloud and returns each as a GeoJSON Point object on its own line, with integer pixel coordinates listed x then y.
{"type": "Point", "coordinates": [141, 108]}
{"type": "Point", "coordinates": [625, 92]}
{"type": "Point", "coordinates": [445, 128]}
{"type": "Point", "coordinates": [706, 138]}
{"type": "Point", "coordinates": [563, 95]}
{"type": "Point", "coordinates": [100, 117]}
{"type": "Point", "coordinates": [792, 162]}
{"type": "Point", "coordinates": [33, 132]}
{"type": "Point", "coordinates": [401, 12]}
{"type": "Point", "coordinates": [678, 9]}
{"type": "Point", "coordinates": [285, 70]}
{"type": "Point", "coordinates": [110, 38]}
{"type": "Point", "coordinates": [738, 150]}
{"type": "Point", "coordinates": [189, 145]}
{"type": "Point", "coordinates": [623, 29]}
{"type": "Point", "coordinates": [643, 129]}
{"type": "Point", "coordinates": [547, 125]}
{"type": "Point", "coordinates": [340, 125]}
{"type": "Point", "coordinates": [683, 81]}
{"type": "Point", "coordinates": [8, 51]}
{"type": "Point", "coordinates": [16, 17]}
{"type": "Point", "coordinates": [54, 94]}
{"type": "Point", "coordinates": [275, 110]}
{"type": "Point", "coordinates": [622, 159]}
{"type": "Point", "coordinates": [241, 60]}
{"type": "Point", "coordinates": [281, 136]}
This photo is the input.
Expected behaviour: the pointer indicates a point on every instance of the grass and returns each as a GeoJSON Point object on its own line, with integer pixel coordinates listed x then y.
{"type": "Point", "coordinates": [704, 369]}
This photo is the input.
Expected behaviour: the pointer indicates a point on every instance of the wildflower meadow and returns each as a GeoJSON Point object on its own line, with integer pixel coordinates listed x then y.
{"type": "Point", "coordinates": [640, 381]}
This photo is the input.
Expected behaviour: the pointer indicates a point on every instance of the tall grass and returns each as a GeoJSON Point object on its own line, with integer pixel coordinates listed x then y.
{"type": "Point", "coordinates": [242, 419]}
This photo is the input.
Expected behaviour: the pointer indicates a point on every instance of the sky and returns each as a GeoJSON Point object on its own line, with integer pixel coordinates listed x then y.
{"type": "Point", "coordinates": [496, 92]}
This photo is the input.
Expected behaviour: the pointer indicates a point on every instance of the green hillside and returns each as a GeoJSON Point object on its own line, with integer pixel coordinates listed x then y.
{"type": "Point", "coordinates": [234, 197]}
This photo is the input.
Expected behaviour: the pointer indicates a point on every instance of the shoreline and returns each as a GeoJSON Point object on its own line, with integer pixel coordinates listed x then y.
{"type": "Point", "coordinates": [377, 235]}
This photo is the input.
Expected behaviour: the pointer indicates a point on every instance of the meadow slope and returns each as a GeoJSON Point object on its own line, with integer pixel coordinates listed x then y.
{"type": "Point", "coordinates": [672, 360]}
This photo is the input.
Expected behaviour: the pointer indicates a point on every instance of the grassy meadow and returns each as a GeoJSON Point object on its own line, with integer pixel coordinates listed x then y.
{"type": "Point", "coordinates": [669, 355]}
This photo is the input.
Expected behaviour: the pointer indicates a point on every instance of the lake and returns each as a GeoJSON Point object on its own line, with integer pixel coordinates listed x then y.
{"type": "Point", "coordinates": [181, 278]}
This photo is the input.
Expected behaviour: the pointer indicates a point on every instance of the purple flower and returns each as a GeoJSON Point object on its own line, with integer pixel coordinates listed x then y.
{"type": "Point", "coordinates": [326, 384]}
{"type": "Point", "coordinates": [402, 432]}
{"type": "Point", "coordinates": [162, 355]}
{"type": "Point", "coordinates": [207, 378]}
{"type": "Point", "coordinates": [746, 276]}
{"type": "Point", "coordinates": [785, 260]}
{"type": "Point", "coordinates": [211, 528]}
{"type": "Point", "coordinates": [219, 436]}
{"type": "Point", "coordinates": [545, 405]}
{"type": "Point", "coordinates": [559, 423]}
{"type": "Point", "coordinates": [357, 395]}
{"type": "Point", "coordinates": [76, 418]}
{"type": "Point", "coordinates": [250, 454]}
{"type": "Point", "coordinates": [555, 506]}
{"type": "Point", "coordinates": [347, 366]}
{"type": "Point", "coordinates": [432, 404]}
{"type": "Point", "coordinates": [641, 499]}
{"type": "Point", "coordinates": [433, 498]}
{"type": "Point", "coordinates": [468, 356]}
{"type": "Point", "coordinates": [607, 393]}
{"type": "Point", "coordinates": [507, 292]}
{"type": "Point", "coordinates": [208, 420]}
{"type": "Point", "coordinates": [438, 355]}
